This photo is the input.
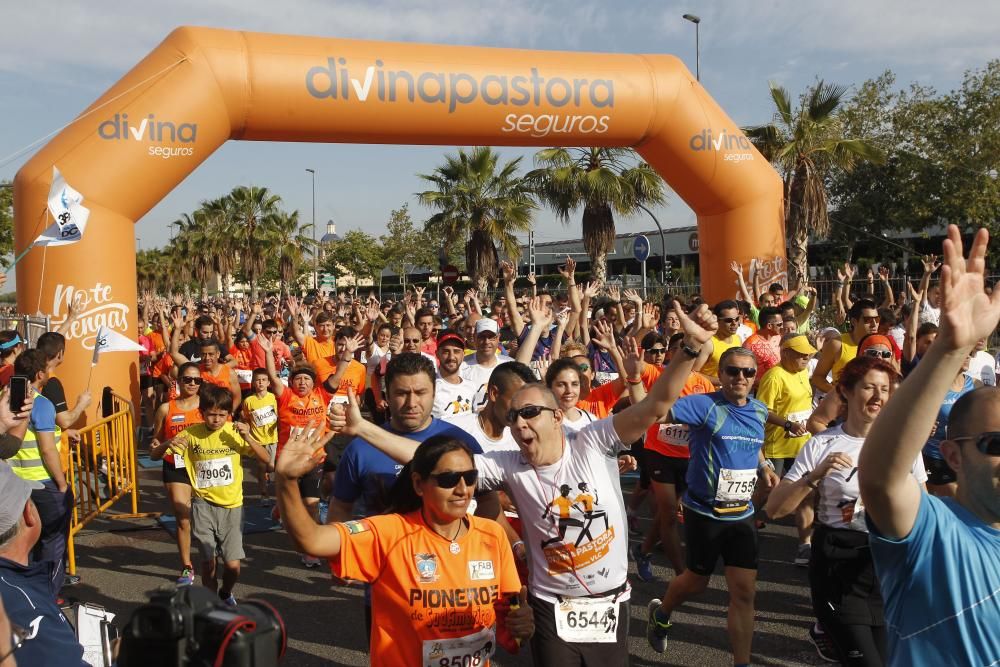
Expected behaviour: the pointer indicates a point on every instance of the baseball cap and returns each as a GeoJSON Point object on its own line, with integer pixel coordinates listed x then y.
{"type": "Point", "coordinates": [451, 338]}
{"type": "Point", "coordinates": [799, 343]}
{"type": "Point", "coordinates": [14, 493]}
{"type": "Point", "coordinates": [486, 324]}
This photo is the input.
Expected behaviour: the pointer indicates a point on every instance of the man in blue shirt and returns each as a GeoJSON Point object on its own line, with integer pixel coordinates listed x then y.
{"type": "Point", "coordinates": [726, 444]}
{"type": "Point", "coordinates": [27, 590]}
{"type": "Point", "coordinates": [938, 559]}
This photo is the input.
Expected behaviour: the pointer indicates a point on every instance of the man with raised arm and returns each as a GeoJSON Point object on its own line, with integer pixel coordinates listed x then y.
{"type": "Point", "coordinates": [576, 539]}
{"type": "Point", "coordinates": [938, 559]}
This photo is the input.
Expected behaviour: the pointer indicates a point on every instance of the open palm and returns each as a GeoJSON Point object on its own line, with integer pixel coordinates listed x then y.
{"type": "Point", "coordinates": [967, 312]}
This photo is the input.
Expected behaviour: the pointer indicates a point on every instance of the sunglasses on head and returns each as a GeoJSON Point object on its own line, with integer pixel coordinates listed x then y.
{"type": "Point", "coordinates": [449, 480]}
{"type": "Point", "coordinates": [737, 370]}
{"type": "Point", "coordinates": [657, 350]}
{"type": "Point", "coordinates": [192, 380]}
{"type": "Point", "coordinates": [527, 412]}
{"type": "Point", "coordinates": [878, 354]}
{"type": "Point", "coordinates": [584, 368]}
{"type": "Point", "coordinates": [988, 443]}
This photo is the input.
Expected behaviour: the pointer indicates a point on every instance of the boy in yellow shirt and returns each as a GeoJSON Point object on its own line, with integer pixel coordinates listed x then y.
{"type": "Point", "coordinates": [260, 411]}
{"type": "Point", "coordinates": [212, 452]}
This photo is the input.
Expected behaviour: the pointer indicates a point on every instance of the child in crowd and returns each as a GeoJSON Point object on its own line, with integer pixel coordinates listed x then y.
{"type": "Point", "coordinates": [260, 411]}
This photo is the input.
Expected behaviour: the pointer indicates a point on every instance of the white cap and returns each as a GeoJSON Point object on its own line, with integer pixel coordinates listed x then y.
{"type": "Point", "coordinates": [14, 493]}
{"type": "Point", "coordinates": [486, 324]}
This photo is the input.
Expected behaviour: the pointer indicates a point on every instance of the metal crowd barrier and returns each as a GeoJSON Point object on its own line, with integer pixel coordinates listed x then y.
{"type": "Point", "coordinates": [102, 470]}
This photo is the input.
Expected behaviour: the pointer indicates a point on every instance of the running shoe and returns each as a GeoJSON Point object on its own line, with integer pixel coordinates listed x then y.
{"type": "Point", "coordinates": [656, 632]}
{"type": "Point", "coordinates": [311, 561]}
{"type": "Point", "coordinates": [231, 601]}
{"type": "Point", "coordinates": [643, 563]}
{"type": "Point", "coordinates": [71, 580]}
{"type": "Point", "coordinates": [802, 555]}
{"type": "Point", "coordinates": [186, 578]}
{"type": "Point", "coordinates": [824, 645]}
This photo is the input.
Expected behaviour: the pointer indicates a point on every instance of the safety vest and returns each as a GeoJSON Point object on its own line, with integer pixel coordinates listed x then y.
{"type": "Point", "coordinates": [27, 463]}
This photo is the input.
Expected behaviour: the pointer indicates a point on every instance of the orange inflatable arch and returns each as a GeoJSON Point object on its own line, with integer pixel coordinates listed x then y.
{"type": "Point", "coordinates": [202, 87]}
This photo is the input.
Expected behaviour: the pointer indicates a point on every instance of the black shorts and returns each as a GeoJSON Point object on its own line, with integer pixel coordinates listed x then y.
{"type": "Point", "coordinates": [172, 475]}
{"type": "Point", "coordinates": [547, 648]}
{"type": "Point", "coordinates": [939, 472]}
{"type": "Point", "coordinates": [667, 470]}
{"type": "Point", "coordinates": [782, 466]}
{"type": "Point", "coordinates": [145, 382]}
{"type": "Point", "coordinates": [708, 538]}
{"type": "Point", "coordinates": [309, 484]}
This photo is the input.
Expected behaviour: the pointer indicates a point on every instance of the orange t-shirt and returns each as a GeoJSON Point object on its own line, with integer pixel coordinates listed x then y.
{"type": "Point", "coordinates": [161, 367]}
{"type": "Point", "coordinates": [176, 421]}
{"type": "Point", "coordinates": [661, 438]}
{"type": "Point", "coordinates": [423, 595]}
{"type": "Point", "coordinates": [300, 411]}
{"type": "Point", "coordinates": [220, 380]}
{"type": "Point", "coordinates": [244, 362]}
{"type": "Point", "coordinates": [322, 356]}
{"type": "Point", "coordinates": [602, 399]}
{"type": "Point", "coordinates": [354, 377]}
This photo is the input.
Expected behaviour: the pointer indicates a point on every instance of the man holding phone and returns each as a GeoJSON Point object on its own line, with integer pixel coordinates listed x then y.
{"type": "Point", "coordinates": [39, 460]}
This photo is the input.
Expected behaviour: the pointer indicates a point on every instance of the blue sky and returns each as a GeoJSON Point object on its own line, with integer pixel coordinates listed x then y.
{"type": "Point", "coordinates": [56, 57]}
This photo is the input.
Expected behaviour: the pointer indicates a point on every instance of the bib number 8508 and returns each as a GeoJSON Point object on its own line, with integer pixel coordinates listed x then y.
{"type": "Point", "coordinates": [467, 660]}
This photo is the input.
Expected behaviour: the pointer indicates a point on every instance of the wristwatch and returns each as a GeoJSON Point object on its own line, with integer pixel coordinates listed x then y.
{"type": "Point", "coordinates": [788, 425]}
{"type": "Point", "coordinates": [689, 351]}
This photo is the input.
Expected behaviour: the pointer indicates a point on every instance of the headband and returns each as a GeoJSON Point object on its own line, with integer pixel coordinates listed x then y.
{"type": "Point", "coordinates": [16, 340]}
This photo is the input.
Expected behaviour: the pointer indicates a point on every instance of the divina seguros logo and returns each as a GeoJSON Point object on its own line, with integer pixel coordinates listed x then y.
{"type": "Point", "coordinates": [738, 148]}
{"type": "Point", "coordinates": [151, 130]}
{"type": "Point", "coordinates": [335, 81]}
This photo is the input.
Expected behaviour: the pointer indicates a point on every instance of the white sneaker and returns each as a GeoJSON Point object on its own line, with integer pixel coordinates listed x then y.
{"type": "Point", "coordinates": [311, 561]}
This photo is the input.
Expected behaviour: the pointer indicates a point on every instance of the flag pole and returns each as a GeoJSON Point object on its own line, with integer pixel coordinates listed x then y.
{"type": "Point", "coordinates": [20, 257]}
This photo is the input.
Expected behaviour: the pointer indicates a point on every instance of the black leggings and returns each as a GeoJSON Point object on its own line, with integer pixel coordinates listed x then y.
{"type": "Point", "coordinates": [857, 645]}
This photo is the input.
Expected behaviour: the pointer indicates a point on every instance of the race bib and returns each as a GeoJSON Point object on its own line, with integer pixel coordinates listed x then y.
{"type": "Point", "coordinates": [213, 472]}
{"type": "Point", "coordinates": [674, 434]}
{"type": "Point", "coordinates": [604, 377]}
{"type": "Point", "coordinates": [178, 461]}
{"type": "Point", "coordinates": [798, 417]}
{"type": "Point", "coordinates": [245, 376]}
{"type": "Point", "coordinates": [468, 651]}
{"type": "Point", "coordinates": [587, 620]}
{"type": "Point", "coordinates": [264, 416]}
{"type": "Point", "coordinates": [732, 495]}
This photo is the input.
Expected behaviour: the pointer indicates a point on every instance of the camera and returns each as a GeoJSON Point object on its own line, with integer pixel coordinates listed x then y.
{"type": "Point", "coordinates": [190, 625]}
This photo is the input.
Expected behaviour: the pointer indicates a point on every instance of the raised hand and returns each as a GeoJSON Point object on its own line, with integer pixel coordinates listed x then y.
{"type": "Point", "coordinates": [419, 292]}
{"type": "Point", "coordinates": [448, 291]}
{"type": "Point", "coordinates": [568, 270]}
{"type": "Point", "coordinates": [604, 335]}
{"type": "Point", "coordinates": [345, 418]}
{"type": "Point", "coordinates": [353, 344]}
{"type": "Point", "coordinates": [848, 271]}
{"type": "Point", "coordinates": [293, 306]}
{"type": "Point", "coordinates": [507, 271]}
{"type": "Point", "coordinates": [930, 263]}
{"type": "Point", "coordinates": [591, 289]}
{"type": "Point", "coordinates": [967, 313]}
{"type": "Point", "coordinates": [631, 358]}
{"type": "Point", "coordinates": [303, 452]}
{"type": "Point", "coordinates": [562, 319]}
{"type": "Point", "coordinates": [840, 275]}
{"type": "Point", "coordinates": [614, 293]}
{"type": "Point", "coordinates": [396, 343]}
{"type": "Point", "coordinates": [883, 273]}
{"type": "Point", "coordinates": [265, 342]}
{"type": "Point", "coordinates": [700, 325]}
{"type": "Point", "coordinates": [737, 268]}
{"type": "Point", "coordinates": [634, 297]}
{"type": "Point", "coordinates": [532, 279]}
{"type": "Point", "coordinates": [538, 313]}
{"type": "Point", "coordinates": [648, 316]}
{"type": "Point", "coordinates": [373, 311]}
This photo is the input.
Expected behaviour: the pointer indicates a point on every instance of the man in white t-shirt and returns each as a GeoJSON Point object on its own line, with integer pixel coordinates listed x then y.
{"type": "Point", "coordinates": [453, 394]}
{"type": "Point", "coordinates": [480, 364]}
{"type": "Point", "coordinates": [583, 571]}
{"type": "Point", "coordinates": [489, 425]}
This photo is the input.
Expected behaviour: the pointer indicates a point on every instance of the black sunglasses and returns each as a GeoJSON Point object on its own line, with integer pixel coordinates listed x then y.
{"type": "Point", "coordinates": [192, 380]}
{"type": "Point", "coordinates": [449, 480]}
{"type": "Point", "coordinates": [884, 354]}
{"type": "Point", "coordinates": [729, 320]}
{"type": "Point", "coordinates": [527, 412]}
{"type": "Point", "coordinates": [584, 368]}
{"type": "Point", "coordinates": [988, 443]}
{"type": "Point", "coordinates": [736, 370]}
{"type": "Point", "coordinates": [270, 332]}
{"type": "Point", "coordinates": [657, 350]}
{"type": "Point", "coordinates": [411, 340]}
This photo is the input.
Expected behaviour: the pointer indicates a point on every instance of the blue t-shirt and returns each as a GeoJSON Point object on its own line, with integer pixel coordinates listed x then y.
{"type": "Point", "coordinates": [365, 473]}
{"type": "Point", "coordinates": [941, 586]}
{"type": "Point", "coordinates": [932, 448]}
{"type": "Point", "coordinates": [725, 442]}
{"type": "Point", "coordinates": [43, 415]}
{"type": "Point", "coordinates": [544, 344]}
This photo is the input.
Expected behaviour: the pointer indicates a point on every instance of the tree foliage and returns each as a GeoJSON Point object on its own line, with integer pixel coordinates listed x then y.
{"type": "Point", "coordinates": [6, 224]}
{"type": "Point", "coordinates": [358, 254]}
{"type": "Point", "coordinates": [406, 247]}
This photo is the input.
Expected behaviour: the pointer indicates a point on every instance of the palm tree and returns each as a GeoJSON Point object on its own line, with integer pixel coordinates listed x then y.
{"type": "Point", "coordinates": [604, 181]}
{"type": "Point", "coordinates": [480, 199]}
{"type": "Point", "coordinates": [291, 243]}
{"type": "Point", "coordinates": [218, 239]}
{"type": "Point", "coordinates": [188, 249]}
{"type": "Point", "coordinates": [253, 211]}
{"type": "Point", "coordinates": [804, 145]}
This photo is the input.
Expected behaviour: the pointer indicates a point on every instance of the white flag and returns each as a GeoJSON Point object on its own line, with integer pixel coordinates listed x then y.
{"type": "Point", "coordinates": [69, 213]}
{"type": "Point", "coordinates": [112, 341]}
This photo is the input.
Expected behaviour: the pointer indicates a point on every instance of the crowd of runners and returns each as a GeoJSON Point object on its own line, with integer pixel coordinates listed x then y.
{"type": "Point", "coordinates": [469, 457]}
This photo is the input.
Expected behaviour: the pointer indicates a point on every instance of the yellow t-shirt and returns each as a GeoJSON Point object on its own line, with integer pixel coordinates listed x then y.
{"type": "Point", "coordinates": [848, 350]}
{"type": "Point", "coordinates": [213, 462]}
{"type": "Point", "coordinates": [262, 415]}
{"type": "Point", "coordinates": [788, 395]}
{"type": "Point", "coordinates": [711, 366]}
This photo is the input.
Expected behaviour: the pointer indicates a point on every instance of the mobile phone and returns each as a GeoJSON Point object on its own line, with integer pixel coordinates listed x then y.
{"type": "Point", "coordinates": [18, 392]}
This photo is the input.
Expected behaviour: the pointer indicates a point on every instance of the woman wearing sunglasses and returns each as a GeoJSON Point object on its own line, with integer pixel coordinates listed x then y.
{"type": "Point", "coordinates": [845, 592]}
{"type": "Point", "coordinates": [171, 418]}
{"type": "Point", "coordinates": [436, 571]}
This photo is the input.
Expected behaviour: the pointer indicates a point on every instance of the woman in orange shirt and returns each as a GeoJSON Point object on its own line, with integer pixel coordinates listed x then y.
{"type": "Point", "coordinates": [436, 571]}
{"type": "Point", "coordinates": [243, 358]}
{"type": "Point", "coordinates": [171, 418]}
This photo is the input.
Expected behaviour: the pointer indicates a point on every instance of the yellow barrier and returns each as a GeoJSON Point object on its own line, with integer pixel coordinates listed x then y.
{"type": "Point", "coordinates": [102, 471]}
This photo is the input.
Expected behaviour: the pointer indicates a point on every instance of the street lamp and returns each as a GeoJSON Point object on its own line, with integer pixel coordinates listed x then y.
{"type": "Point", "coordinates": [315, 274]}
{"type": "Point", "coordinates": [697, 47]}
{"type": "Point", "coordinates": [663, 246]}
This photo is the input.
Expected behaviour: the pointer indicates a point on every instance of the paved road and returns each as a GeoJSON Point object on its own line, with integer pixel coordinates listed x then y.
{"type": "Point", "coordinates": [119, 561]}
